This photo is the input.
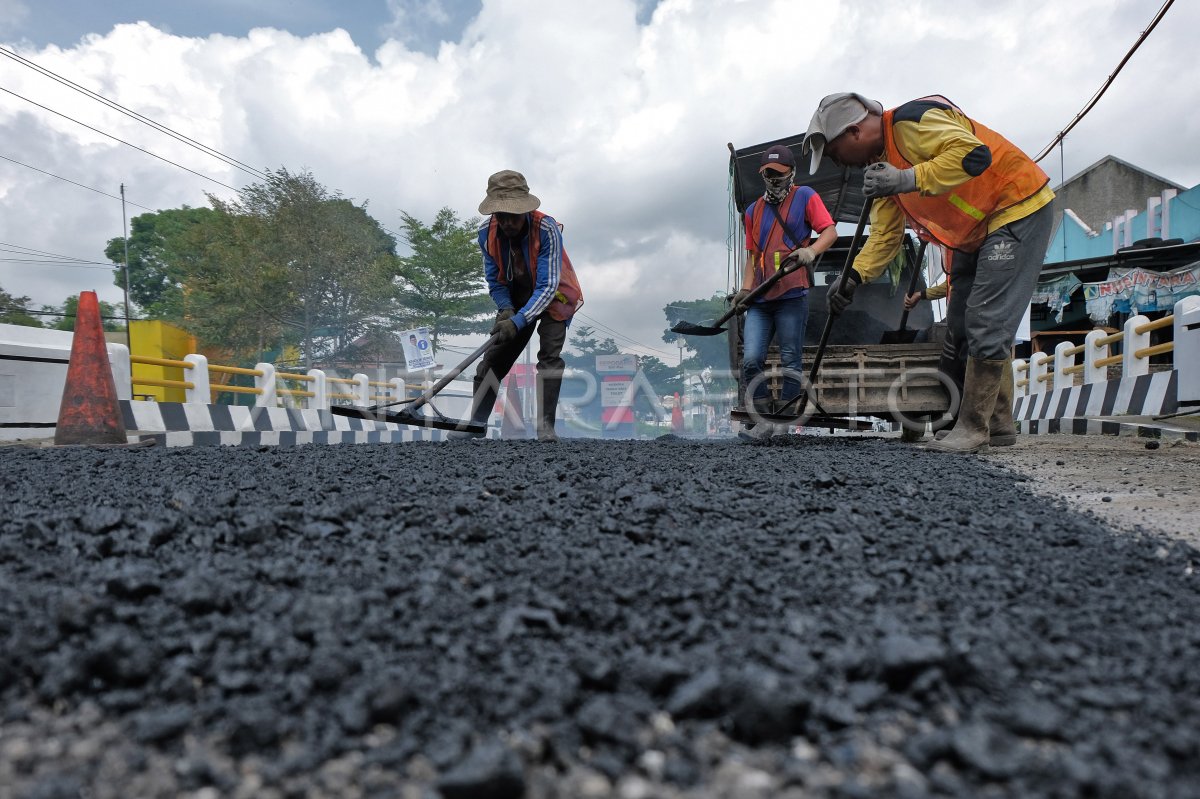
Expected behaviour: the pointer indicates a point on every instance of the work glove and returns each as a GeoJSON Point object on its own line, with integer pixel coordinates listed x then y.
{"type": "Point", "coordinates": [802, 256]}
{"type": "Point", "coordinates": [840, 296]}
{"type": "Point", "coordinates": [884, 180]}
{"type": "Point", "coordinates": [506, 329]}
{"type": "Point", "coordinates": [740, 297]}
{"type": "Point", "coordinates": [914, 299]}
{"type": "Point", "coordinates": [504, 313]}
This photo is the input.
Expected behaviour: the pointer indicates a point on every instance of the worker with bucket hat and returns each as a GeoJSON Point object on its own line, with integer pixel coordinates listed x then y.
{"type": "Point", "coordinates": [533, 284]}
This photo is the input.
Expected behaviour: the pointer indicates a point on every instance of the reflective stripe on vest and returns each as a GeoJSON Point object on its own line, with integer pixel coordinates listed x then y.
{"type": "Point", "coordinates": [959, 219]}
{"type": "Point", "coordinates": [796, 204]}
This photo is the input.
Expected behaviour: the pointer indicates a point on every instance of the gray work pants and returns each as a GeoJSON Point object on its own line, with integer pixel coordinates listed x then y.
{"type": "Point", "coordinates": [991, 288]}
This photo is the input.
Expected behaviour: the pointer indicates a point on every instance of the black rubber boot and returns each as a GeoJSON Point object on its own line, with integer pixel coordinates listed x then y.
{"type": "Point", "coordinates": [547, 402]}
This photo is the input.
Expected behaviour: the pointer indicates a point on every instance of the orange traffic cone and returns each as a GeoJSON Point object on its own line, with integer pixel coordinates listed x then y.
{"type": "Point", "coordinates": [90, 412]}
{"type": "Point", "coordinates": [677, 415]}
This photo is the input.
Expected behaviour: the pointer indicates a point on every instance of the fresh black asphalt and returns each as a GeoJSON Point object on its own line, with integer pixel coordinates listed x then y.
{"type": "Point", "coordinates": [894, 622]}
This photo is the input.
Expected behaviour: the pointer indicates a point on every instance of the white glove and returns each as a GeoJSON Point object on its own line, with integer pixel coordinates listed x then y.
{"type": "Point", "coordinates": [802, 255]}
{"type": "Point", "coordinates": [883, 180]}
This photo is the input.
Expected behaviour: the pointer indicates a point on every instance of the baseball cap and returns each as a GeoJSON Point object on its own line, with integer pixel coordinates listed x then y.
{"type": "Point", "coordinates": [778, 157]}
{"type": "Point", "coordinates": [835, 113]}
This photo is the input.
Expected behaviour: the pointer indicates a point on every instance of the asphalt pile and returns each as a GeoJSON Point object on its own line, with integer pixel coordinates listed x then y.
{"type": "Point", "coordinates": [803, 617]}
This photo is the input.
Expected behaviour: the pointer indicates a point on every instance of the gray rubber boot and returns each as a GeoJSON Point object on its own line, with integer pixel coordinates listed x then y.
{"type": "Point", "coordinates": [970, 433]}
{"type": "Point", "coordinates": [1001, 426]}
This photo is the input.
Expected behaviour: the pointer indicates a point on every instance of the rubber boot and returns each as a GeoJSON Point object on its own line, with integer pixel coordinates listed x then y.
{"type": "Point", "coordinates": [970, 433]}
{"type": "Point", "coordinates": [1001, 426]}
{"type": "Point", "coordinates": [547, 402]}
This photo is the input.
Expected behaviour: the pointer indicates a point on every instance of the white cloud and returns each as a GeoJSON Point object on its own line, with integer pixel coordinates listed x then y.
{"type": "Point", "coordinates": [620, 127]}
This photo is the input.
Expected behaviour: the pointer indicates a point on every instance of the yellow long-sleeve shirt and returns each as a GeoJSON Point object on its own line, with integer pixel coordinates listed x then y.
{"type": "Point", "coordinates": [936, 145]}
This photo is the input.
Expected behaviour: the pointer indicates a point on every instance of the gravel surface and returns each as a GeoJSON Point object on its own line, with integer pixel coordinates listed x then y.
{"type": "Point", "coordinates": [1132, 483]}
{"type": "Point", "coordinates": [805, 617]}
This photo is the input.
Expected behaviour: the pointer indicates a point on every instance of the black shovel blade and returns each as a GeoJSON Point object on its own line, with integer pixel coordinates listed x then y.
{"type": "Point", "coordinates": [898, 337]}
{"type": "Point", "coordinates": [693, 329]}
{"type": "Point", "coordinates": [410, 418]}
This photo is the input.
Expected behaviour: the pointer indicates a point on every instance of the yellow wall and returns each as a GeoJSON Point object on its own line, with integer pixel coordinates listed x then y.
{"type": "Point", "coordinates": [155, 339]}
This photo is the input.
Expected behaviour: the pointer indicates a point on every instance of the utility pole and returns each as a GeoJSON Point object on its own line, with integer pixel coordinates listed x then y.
{"type": "Point", "coordinates": [125, 272]}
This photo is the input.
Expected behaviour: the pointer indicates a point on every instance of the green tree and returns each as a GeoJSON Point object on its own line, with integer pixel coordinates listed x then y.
{"type": "Point", "coordinates": [111, 316]}
{"type": "Point", "coordinates": [441, 284]}
{"type": "Point", "coordinates": [13, 311]}
{"type": "Point", "coordinates": [160, 252]}
{"type": "Point", "coordinates": [709, 351]}
{"type": "Point", "coordinates": [308, 266]}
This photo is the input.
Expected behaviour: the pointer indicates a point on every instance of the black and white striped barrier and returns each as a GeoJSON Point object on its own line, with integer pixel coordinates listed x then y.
{"type": "Point", "coordinates": [180, 424]}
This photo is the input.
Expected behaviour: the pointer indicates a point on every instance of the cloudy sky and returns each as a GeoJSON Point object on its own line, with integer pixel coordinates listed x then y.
{"type": "Point", "coordinates": [618, 112]}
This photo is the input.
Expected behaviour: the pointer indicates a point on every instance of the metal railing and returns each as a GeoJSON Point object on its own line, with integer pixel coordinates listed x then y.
{"type": "Point", "coordinates": [1043, 372]}
{"type": "Point", "coordinates": [198, 387]}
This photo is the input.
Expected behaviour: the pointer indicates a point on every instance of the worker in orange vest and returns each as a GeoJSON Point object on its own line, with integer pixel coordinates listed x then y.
{"type": "Point", "coordinates": [960, 184]}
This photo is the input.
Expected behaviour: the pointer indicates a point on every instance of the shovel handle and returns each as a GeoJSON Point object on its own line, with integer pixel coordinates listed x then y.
{"type": "Point", "coordinates": [846, 267]}
{"type": "Point", "coordinates": [429, 393]}
{"type": "Point", "coordinates": [912, 282]}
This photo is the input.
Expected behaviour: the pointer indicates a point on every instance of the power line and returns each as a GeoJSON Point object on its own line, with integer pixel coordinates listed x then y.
{"type": "Point", "coordinates": [115, 138]}
{"type": "Point", "coordinates": [73, 183]}
{"type": "Point", "coordinates": [204, 148]}
{"type": "Point", "coordinates": [1096, 97]}
{"type": "Point", "coordinates": [19, 249]}
{"type": "Point", "coordinates": [609, 330]}
{"type": "Point", "coordinates": [88, 265]}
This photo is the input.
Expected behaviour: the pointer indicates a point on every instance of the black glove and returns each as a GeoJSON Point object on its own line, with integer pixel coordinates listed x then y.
{"type": "Point", "coordinates": [504, 313]}
{"type": "Point", "coordinates": [740, 297]}
{"type": "Point", "coordinates": [839, 297]}
{"type": "Point", "coordinates": [506, 329]}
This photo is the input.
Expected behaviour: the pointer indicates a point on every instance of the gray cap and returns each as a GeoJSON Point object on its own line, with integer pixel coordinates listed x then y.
{"type": "Point", "coordinates": [835, 113]}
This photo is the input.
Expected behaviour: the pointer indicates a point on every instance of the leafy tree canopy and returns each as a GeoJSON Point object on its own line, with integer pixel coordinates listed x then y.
{"type": "Point", "coordinates": [13, 311]}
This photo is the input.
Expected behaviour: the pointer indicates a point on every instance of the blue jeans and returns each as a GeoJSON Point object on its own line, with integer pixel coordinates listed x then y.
{"type": "Point", "coordinates": [784, 319]}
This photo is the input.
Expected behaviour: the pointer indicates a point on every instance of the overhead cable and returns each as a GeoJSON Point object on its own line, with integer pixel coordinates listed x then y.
{"type": "Point", "coordinates": [72, 182]}
{"type": "Point", "coordinates": [117, 139]}
{"type": "Point", "coordinates": [204, 148]}
{"type": "Point", "coordinates": [1096, 97]}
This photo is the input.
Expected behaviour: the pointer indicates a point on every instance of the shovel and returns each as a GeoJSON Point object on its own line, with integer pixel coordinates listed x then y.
{"type": "Point", "coordinates": [903, 335]}
{"type": "Point", "coordinates": [693, 329]}
{"type": "Point", "coordinates": [409, 415]}
{"type": "Point", "coordinates": [802, 398]}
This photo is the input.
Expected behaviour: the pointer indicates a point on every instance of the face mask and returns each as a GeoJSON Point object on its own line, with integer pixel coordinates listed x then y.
{"type": "Point", "coordinates": [778, 184]}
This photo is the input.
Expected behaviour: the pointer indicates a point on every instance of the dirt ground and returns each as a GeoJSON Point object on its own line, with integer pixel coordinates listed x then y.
{"type": "Point", "coordinates": [1127, 481]}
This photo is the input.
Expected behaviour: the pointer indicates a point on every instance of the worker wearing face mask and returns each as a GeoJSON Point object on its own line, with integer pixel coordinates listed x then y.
{"type": "Point", "coordinates": [780, 230]}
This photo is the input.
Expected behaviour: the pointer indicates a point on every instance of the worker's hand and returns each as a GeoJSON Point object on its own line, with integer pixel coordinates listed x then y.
{"type": "Point", "coordinates": [504, 313]}
{"type": "Point", "coordinates": [913, 300]}
{"type": "Point", "coordinates": [802, 256]}
{"type": "Point", "coordinates": [840, 296]}
{"type": "Point", "coordinates": [506, 329]}
{"type": "Point", "coordinates": [740, 297]}
{"type": "Point", "coordinates": [883, 180]}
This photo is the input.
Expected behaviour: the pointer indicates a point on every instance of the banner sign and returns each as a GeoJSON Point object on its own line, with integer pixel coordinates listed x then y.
{"type": "Point", "coordinates": [418, 353]}
{"type": "Point", "coordinates": [616, 363]}
{"type": "Point", "coordinates": [1134, 291]}
{"type": "Point", "coordinates": [1056, 294]}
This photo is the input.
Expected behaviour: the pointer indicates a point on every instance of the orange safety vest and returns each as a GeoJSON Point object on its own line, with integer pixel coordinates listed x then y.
{"type": "Point", "coordinates": [959, 218]}
{"type": "Point", "coordinates": [568, 297]}
{"type": "Point", "coordinates": [764, 263]}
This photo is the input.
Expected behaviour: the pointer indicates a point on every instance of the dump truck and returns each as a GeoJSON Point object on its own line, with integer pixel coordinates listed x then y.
{"type": "Point", "coordinates": [859, 377]}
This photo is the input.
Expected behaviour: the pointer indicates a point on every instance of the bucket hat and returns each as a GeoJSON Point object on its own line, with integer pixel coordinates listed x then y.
{"type": "Point", "coordinates": [508, 193]}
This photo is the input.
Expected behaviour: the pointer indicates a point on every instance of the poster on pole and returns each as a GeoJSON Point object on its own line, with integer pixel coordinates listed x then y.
{"type": "Point", "coordinates": [418, 352]}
